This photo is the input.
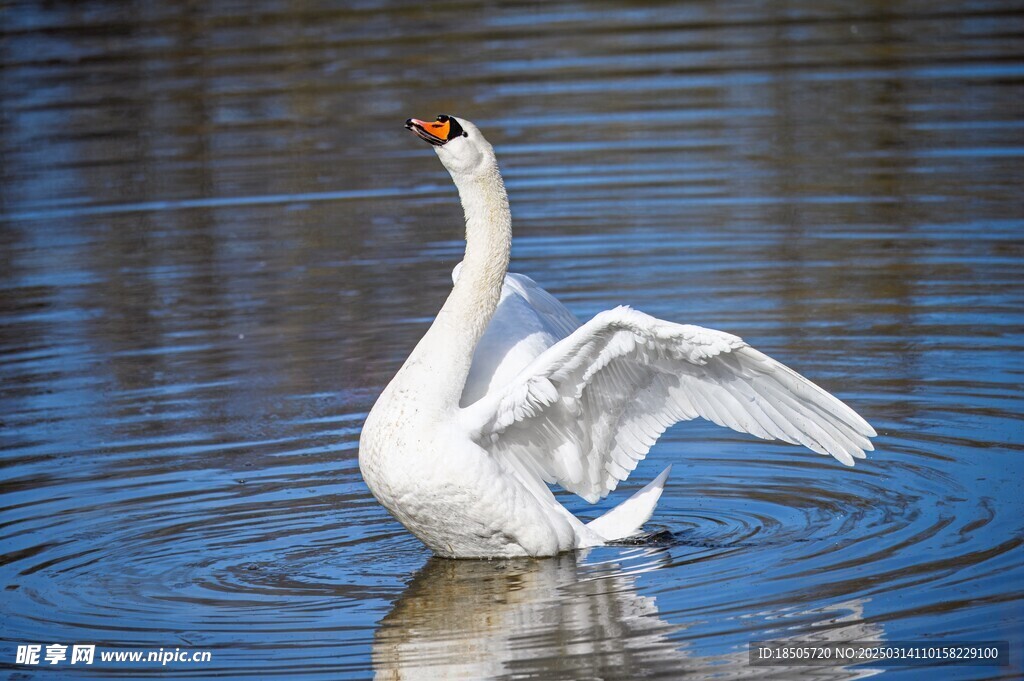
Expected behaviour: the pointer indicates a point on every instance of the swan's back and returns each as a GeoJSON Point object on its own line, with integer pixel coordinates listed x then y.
{"type": "Point", "coordinates": [527, 322]}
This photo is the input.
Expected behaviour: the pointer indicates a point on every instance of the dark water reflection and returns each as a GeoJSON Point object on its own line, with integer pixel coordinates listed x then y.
{"type": "Point", "coordinates": [566, 618]}
{"type": "Point", "coordinates": [217, 244]}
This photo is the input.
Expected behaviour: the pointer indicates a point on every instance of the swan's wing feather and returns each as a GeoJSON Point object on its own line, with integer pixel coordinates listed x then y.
{"type": "Point", "coordinates": [557, 317]}
{"type": "Point", "coordinates": [528, 320]}
{"type": "Point", "coordinates": [589, 408]}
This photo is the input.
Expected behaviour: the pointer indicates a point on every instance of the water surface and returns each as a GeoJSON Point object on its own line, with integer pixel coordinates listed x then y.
{"type": "Point", "coordinates": [218, 244]}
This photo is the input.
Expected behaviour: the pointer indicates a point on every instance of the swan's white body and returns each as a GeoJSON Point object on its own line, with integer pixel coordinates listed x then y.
{"type": "Point", "coordinates": [507, 392]}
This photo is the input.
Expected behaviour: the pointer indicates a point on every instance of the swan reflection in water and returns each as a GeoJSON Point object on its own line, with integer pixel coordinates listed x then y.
{"type": "Point", "coordinates": [562, 618]}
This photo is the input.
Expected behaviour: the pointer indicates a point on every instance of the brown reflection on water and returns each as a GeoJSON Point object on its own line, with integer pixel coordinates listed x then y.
{"type": "Point", "coordinates": [560, 619]}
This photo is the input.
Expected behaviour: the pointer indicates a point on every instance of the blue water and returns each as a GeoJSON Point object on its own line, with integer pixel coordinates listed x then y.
{"type": "Point", "coordinates": [218, 244]}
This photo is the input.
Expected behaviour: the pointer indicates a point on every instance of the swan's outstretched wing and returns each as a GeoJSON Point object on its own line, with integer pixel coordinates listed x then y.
{"type": "Point", "coordinates": [588, 409]}
{"type": "Point", "coordinates": [527, 321]}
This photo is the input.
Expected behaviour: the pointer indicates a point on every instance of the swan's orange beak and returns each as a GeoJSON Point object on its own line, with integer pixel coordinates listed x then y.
{"type": "Point", "coordinates": [436, 133]}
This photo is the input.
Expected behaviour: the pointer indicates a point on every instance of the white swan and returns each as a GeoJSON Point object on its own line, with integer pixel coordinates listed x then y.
{"type": "Point", "coordinates": [507, 392]}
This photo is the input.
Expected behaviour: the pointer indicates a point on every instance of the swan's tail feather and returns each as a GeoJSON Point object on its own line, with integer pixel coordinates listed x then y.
{"type": "Point", "coordinates": [627, 518]}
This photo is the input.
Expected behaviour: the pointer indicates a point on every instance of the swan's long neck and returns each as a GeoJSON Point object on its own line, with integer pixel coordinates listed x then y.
{"type": "Point", "coordinates": [445, 353]}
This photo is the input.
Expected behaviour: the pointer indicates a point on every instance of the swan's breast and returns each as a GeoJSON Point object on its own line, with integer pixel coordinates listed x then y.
{"type": "Point", "coordinates": [452, 494]}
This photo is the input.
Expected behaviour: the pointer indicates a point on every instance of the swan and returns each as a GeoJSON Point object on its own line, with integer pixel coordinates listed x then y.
{"type": "Point", "coordinates": [507, 392]}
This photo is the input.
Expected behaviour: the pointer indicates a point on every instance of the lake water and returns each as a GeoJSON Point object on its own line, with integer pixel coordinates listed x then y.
{"type": "Point", "coordinates": [218, 244]}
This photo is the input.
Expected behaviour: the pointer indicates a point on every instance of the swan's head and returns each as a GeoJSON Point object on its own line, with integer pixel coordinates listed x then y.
{"type": "Point", "coordinates": [458, 143]}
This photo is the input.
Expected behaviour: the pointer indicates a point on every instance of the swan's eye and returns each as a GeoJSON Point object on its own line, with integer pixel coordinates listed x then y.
{"type": "Point", "coordinates": [455, 130]}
